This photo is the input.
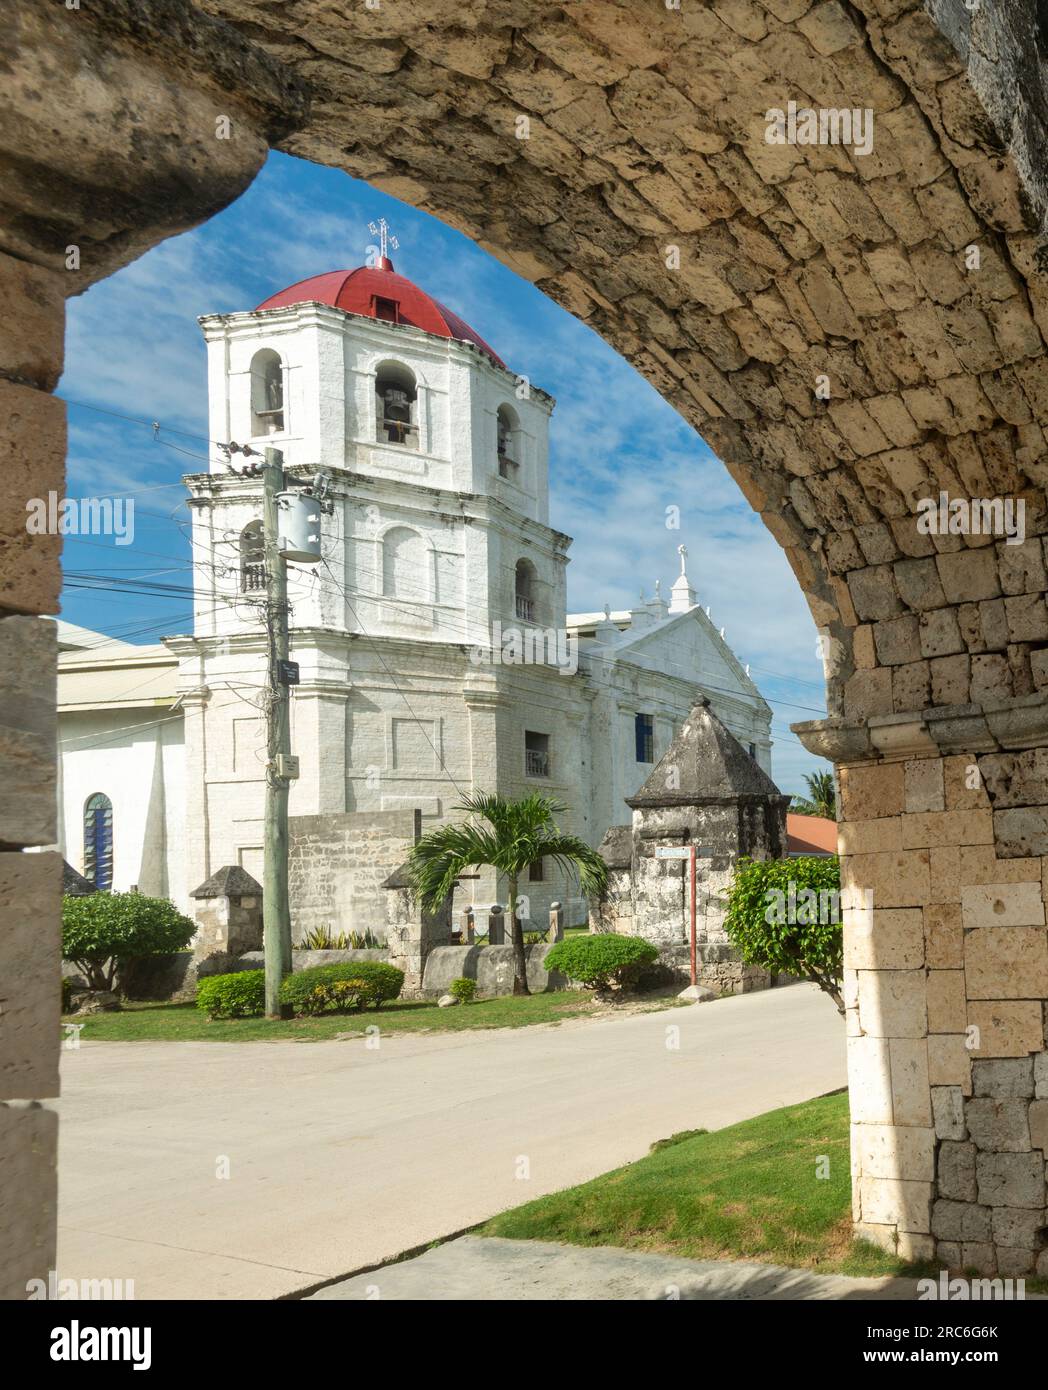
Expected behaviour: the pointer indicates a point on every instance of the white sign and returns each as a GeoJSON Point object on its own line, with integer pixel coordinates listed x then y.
{"type": "Point", "coordinates": [669, 852]}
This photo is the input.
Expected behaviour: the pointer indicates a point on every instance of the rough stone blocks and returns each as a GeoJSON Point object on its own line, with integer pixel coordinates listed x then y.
{"type": "Point", "coordinates": [30, 969]}
{"type": "Point", "coordinates": [28, 776]}
{"type": "Point", "coordinates": [28, 1155]}
{"type": "Point", "coordinates": [33, 430]}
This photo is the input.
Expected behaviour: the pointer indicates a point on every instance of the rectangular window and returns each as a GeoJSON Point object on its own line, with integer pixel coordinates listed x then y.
{"type": "Point", "coordinates": [536, 754]}
{"type": "Point", "coordinates": [644, 735]}
{"type": "Point", "coordinates": [753, 751]}
{"type": "Point", "coordinates": [537, 872]}
{"type": "Point", "coordinates": [386, 309]}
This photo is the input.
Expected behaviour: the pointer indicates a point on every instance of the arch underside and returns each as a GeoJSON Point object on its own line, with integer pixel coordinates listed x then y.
{"type": "Point", "coordinates": [738, 276]}
{"type": "Point", "coordinates": [615, 154]}
{"type": "Point", "coordinates": [646, 132]}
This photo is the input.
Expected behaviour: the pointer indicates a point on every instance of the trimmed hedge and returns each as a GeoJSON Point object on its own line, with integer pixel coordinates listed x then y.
{"type": "Point", "coordinates": [602, 962]}
{"type": "Point", "coordinates": [463, 989]}
{"type": "Point", "coordinates": [363, 984]}
{"type": "Point", "coordinates": [239, 995]}
{"type": "Point", "coordinates": [100, 931]}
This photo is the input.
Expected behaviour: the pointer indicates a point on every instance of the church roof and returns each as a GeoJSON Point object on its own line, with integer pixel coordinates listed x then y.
{"type": "Point", "coordinates": [705, 762]}
{"type": "Point", "coordinates": [378, 292]}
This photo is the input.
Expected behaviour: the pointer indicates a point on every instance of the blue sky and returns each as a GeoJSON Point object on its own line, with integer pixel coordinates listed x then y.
{"type": "Point", "coordinates": [619, 454]}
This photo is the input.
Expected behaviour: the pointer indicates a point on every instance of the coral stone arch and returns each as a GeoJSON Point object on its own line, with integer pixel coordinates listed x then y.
{"type": "Point", "coordinates": [616, 154]}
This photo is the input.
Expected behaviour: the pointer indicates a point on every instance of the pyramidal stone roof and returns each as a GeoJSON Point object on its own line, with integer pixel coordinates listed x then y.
{"type": "Point", "coordinates": [75, 884]}
{"type": "Point", "coordinates": [616, 848]}
{"type": "Point", "coordinates": [704, 763]}
{"type": "Point", "coordinates": [231, 881]}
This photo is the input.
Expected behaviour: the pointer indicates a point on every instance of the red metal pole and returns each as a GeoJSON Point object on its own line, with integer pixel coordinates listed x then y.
{"type": "Point", "coordinates": [691, 867]}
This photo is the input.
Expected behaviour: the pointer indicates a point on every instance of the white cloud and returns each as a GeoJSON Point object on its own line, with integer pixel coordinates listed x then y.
{"type": "Point", "coordinates": [620, 454]}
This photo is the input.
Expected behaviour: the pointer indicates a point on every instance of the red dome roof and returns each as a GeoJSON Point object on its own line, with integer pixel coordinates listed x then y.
{"type": "Point", "coordinates": [380, 293]}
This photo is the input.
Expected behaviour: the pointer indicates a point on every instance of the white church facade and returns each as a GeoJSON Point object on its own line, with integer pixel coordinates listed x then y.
{"type": "Point", "coordinates": [435, 650]}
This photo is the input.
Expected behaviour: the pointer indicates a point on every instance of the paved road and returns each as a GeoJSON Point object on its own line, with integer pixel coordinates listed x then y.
{"type": "Point", "coordinates": [340, 1157]}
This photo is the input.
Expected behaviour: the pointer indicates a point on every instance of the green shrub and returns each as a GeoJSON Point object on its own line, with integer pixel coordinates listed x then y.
{"type": "Point", "coordinates": [784, 916]}
{"type": "Point", "coordinates": [241, 994]}
{"type": "Point", "coordinates": [602, 962]}
{"type": "Point", "coordinates": [322, 939]}
{"type": "Point", "coordinates": [339, 988]}
{"type": "Point", "coordinates": [100, 931]}
{"type": "Point", "coordinates": [463, 990]}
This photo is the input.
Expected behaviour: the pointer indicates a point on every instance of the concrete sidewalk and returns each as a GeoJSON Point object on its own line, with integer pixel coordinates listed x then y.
{"type": "Point", "coordinates": [473, 1269]}
{"type": "Point", "coordinates": [252, 1170]}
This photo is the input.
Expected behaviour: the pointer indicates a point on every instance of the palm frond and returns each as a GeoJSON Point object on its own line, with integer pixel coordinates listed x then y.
{"type": "Point", "coordinates": [505, 835]}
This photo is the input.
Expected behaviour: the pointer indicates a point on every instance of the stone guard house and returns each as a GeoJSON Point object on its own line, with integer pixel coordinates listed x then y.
{"type": "Point", "coordinates": [706, 790]}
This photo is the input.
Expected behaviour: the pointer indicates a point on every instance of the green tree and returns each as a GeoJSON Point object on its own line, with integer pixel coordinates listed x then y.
{"type": "Point", "coordinates": [821, 799]}
{"type": "Point", "coordinates": [784, 915]}
{"type": "Point", "coordinates": [101, 931]}
{"type": "Point", "coordinates": [508, 836]}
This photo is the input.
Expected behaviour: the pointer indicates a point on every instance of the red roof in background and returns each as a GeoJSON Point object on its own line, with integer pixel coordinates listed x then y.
{"type": "Point", "coordinates": [356, 291]}
{"type": "Point", "coordinates": [810, 834]}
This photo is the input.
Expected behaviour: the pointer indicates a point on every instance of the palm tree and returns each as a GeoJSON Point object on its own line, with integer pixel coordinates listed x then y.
{"type": "Point", "coordinates": [509, 836]}
{"type": "Point", "coordinates": [821, 799]}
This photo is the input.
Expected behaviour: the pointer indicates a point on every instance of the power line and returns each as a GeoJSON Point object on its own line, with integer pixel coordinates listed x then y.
{"type": "Point", "coordinates": [136, 420]}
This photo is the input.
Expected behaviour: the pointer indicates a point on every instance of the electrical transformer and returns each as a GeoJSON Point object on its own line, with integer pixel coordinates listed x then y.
{"type": "Point", "coordinates": [298, 527]}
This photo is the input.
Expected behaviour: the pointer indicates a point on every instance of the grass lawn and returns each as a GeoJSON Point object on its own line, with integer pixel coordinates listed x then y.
{"type": "Point", "coordinates": [148, 1022]}
{"type": "Point", "coordinates": [750, 1191]}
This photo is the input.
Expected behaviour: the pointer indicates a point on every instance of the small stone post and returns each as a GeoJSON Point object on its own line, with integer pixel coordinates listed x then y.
{"type": "Point", "coordinates": [556, 923]}
{"type": "Point", "coordinates": [496, 926]}
{"type": "Point", "coordinates": [469, 934]}
{"type": "Point", "coordinates": [228, 913]}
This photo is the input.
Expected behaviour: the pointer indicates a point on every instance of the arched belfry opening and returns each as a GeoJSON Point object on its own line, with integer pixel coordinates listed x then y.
{"type": "Point", "coordinates": [508, 443]}
{"type": "Point", "coordinates": [267, 393]}
{"type": "Point", "coordinates": [396, 405]}
{"type": "Point", "coordinates": [252, 558]}
{"type": "Point", "coordinates": [524, 591]}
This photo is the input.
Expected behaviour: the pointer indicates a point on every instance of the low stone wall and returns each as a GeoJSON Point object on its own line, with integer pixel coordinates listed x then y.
{"type": "Point", "coordinates": [174, 977]}
{"type": "Point", "coordinates": [718, 967]}
{"type": "Point", "coordinates": [170, 977]}
{"type": "Point", "coordinates": [490, 966]}
{"type": "Point", "coordinates": [305, 960]}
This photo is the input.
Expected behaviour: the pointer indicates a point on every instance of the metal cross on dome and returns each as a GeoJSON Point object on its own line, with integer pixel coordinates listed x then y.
{"type": "Point", "coordinates": [385, 239]}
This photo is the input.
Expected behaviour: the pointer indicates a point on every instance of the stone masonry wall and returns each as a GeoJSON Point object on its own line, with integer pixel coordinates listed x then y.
{"type": "Point", "coordinates": [337, 864]}
{"type": "Point", "coordinates": [945, 984]}
{"type": "Point", "coordinates": [108, 145]}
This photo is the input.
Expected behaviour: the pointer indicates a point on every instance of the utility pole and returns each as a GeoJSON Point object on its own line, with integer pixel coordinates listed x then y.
{"type": "Point", "coordinates": [276, 915]}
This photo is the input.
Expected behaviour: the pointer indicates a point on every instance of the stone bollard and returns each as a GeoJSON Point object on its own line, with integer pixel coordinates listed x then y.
{"type": "Point", "coordinates": [496, 926]}
{"type": "Point", "coordinates": [469, 934]}
{"type": "Point", "coordinates": [556, 923]}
